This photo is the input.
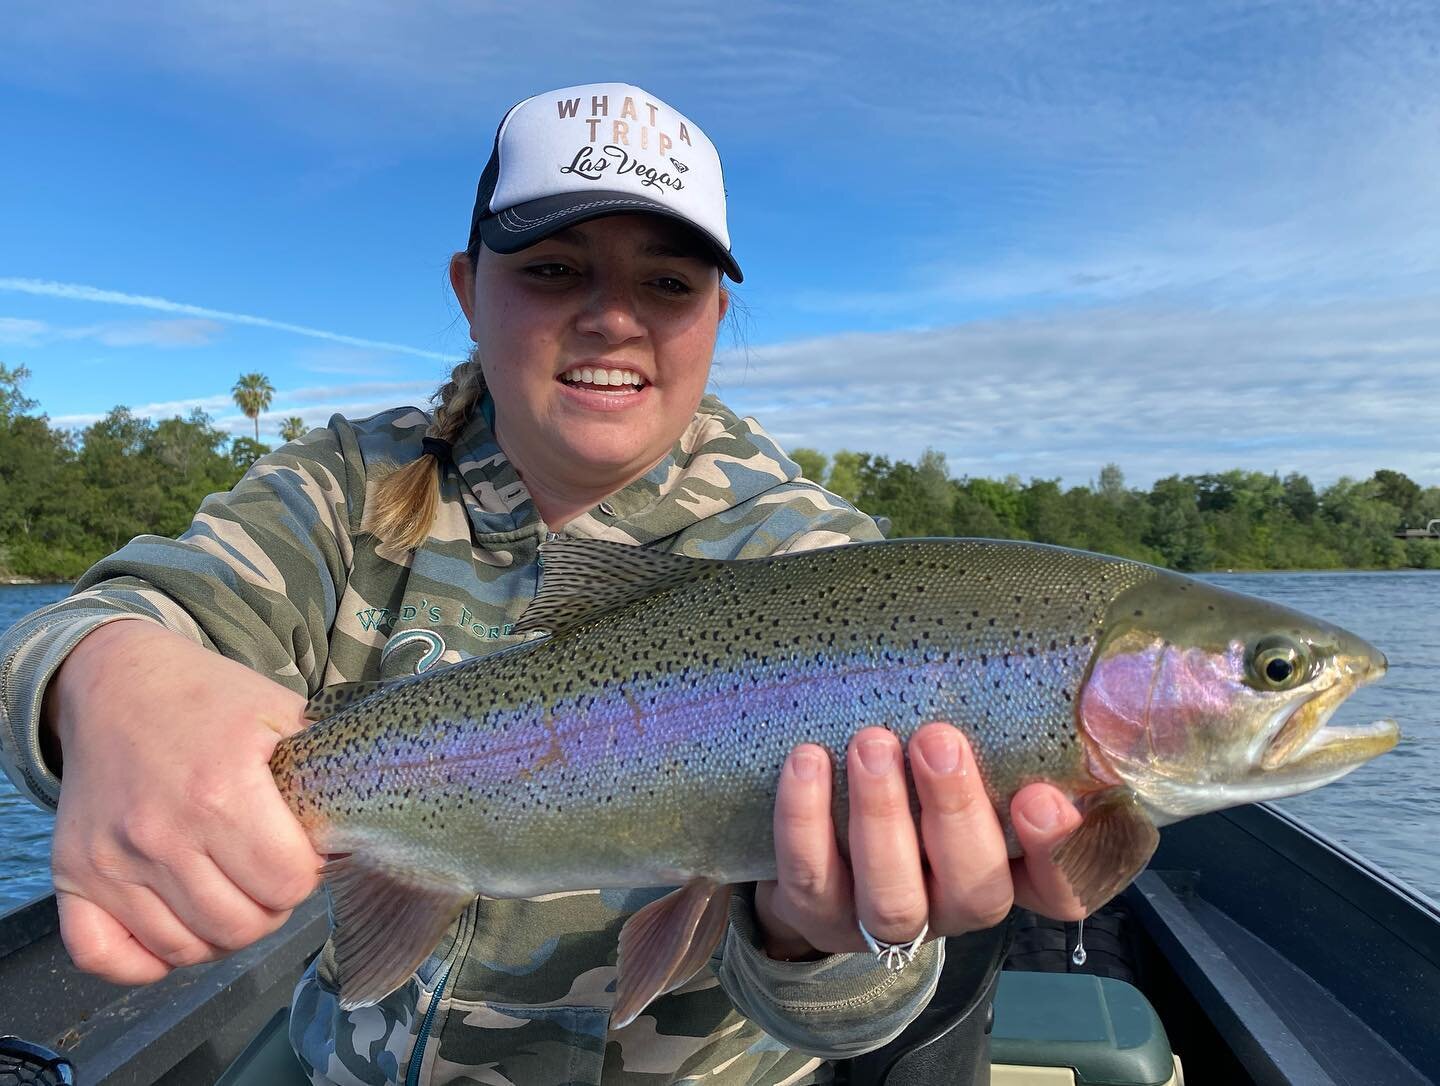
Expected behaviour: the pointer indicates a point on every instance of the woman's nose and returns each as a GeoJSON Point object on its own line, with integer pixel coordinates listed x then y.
{"type": "Point", "coordinates": [610, 311]}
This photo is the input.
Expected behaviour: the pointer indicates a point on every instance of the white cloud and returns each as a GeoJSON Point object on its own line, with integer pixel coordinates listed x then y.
{"type": "Point", "coordinates": [1220, 146]}
{"type": "Point", "coordinates": [19, 331]}
{"type": "Point", "coordinates": [347, 361]}
{"type": "Point", "coordinates": [1065, 69]}
{"type": "Point", "coordinates": [1326, 390]}
{"type": "Point", "coordinates": [389, 393]}
{"type": "Point", "coordinates": [1069, 72]}
{"type": "Point", "coordinates": [173, 333]}
{"type": "Point", "coordinates": [380, 64]}
{"type": "Point", "coordinates": [82, 293]}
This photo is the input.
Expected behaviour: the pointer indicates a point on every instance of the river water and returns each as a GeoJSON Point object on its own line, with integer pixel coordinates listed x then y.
{"type": "Point", "coordinates": [1387, 811]}
{"type": "Point", "coordinates": [24, 828]}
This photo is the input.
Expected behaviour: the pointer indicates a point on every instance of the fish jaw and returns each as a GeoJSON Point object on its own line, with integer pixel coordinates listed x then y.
{"type": "Point", "coordinates": [1294, 734]}
{"type": "Point", "coordinates": [1331, 753]}
{"type": "Point", "coordinates": [1334, 750]}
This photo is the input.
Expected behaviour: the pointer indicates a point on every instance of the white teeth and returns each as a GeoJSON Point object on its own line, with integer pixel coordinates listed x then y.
{"type": "Point", "coordinates": [606, 377]}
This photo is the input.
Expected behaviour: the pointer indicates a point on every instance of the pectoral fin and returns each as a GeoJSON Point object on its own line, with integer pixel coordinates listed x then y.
{"type": "Point", "coordinates": [665, 944]}
{"type": "Point", "coordinates": [387, 921]}
{"type": "Point", "coordinates": [1112, 845]}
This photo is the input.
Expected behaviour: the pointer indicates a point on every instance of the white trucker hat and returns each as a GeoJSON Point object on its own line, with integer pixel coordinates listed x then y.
{"type": "Point", "coordinates": [579, 153]}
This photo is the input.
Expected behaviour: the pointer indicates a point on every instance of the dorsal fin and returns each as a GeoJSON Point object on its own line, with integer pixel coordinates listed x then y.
{"type": "Point", "coordinates": [332, 699]}
{"type": "Point", "coordinates": [583, 578]}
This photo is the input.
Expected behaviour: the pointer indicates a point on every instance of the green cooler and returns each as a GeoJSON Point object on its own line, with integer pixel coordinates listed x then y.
{"type": "Point", "coordinates": [1070, 1029]}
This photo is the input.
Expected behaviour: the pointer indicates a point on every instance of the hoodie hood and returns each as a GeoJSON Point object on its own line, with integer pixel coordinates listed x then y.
{"type": "Point", "coordinates": [719, 462]}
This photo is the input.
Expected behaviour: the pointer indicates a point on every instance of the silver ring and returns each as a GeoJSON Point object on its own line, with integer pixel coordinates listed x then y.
{"type": "Point", "coordinates": [895, 956]}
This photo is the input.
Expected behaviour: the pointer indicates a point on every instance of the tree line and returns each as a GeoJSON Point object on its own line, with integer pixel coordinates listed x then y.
{"type": "Point", "coordinates": [1225, 520]}
{"type": "Point", "coordinates": [68, 498]}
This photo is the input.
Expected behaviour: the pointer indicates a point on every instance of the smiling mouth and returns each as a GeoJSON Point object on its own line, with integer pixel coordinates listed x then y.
{"type": "Point", "coordinates": [611, 381]}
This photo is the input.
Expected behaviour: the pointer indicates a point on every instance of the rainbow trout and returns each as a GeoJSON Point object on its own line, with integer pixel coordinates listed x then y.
{"type": "Point", "coordinates": [641, 742]}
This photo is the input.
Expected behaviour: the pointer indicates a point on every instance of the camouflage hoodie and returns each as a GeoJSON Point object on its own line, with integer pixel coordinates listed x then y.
{"type": "Point", "coordinates": [278, 574]}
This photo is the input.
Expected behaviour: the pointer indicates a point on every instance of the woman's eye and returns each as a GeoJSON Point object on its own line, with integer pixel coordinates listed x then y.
{"type": "Point", "coordinates": [550, 271]}
{"type": "Point", "coordinates": [670, 285]}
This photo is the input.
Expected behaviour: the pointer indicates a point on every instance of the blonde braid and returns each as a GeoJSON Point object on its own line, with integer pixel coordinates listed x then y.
{"type": "Point", "coordinates": [407, 498]}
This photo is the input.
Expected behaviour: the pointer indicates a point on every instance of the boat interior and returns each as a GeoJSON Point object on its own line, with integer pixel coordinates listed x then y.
{"type": "Point", "coordinates": [1251, 951]}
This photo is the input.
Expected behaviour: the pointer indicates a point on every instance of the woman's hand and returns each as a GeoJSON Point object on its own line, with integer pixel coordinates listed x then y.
{"type": "Point", "coordinates": [172, 845]}
{"type": "Point", "coordinates": [961, 879]}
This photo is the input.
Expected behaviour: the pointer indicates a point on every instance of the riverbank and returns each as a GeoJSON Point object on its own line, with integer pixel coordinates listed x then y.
{"type": "Point", "coordinates": [1339, 571]}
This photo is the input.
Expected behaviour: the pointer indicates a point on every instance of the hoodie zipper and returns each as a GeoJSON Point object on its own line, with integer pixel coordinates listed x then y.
{"type": "Point", "coordinates": [417, 1055]}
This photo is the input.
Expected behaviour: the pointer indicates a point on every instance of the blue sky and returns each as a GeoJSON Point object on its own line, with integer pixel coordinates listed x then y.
{"type": "Point", "coordinates": [1036, 236]}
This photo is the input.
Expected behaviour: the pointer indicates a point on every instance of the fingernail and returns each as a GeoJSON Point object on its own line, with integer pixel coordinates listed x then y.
{"type": "Point", "coordinates": [1042, 811]}
{"type": "Point", "coordinates": [877, 755]}
{"type": "Point", "coordinates": [805, 764]}
{"type": "Point", "coordinates": [941, 748]}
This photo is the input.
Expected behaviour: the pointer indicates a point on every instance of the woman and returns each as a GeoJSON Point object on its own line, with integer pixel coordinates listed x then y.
{"type": "Point", "coordinates": [592, 285]}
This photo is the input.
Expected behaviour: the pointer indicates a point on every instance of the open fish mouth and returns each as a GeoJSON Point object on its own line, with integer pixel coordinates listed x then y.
{"type": "Point", "coordinates": [1304, 744]}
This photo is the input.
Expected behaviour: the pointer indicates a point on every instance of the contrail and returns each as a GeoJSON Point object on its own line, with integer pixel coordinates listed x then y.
{"type": "Point", "coordinates": [81, 293]}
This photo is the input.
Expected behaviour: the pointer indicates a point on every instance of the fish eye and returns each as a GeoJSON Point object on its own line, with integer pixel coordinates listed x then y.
{"type": "Point", "coordinates": [1279, 663]}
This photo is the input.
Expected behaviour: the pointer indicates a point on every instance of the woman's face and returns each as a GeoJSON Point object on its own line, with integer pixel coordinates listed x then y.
{"type": "Point", "coordinates": [596, 345]}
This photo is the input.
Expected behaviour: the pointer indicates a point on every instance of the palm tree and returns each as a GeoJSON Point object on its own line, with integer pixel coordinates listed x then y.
{"type": "Point", "coordinates": [253, 393]}
{"type": "Point", "coordinates": [292, 428]}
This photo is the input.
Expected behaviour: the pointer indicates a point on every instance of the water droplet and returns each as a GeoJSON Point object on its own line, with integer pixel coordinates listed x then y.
{"type": "Point", "coordinates": [1078, 955]}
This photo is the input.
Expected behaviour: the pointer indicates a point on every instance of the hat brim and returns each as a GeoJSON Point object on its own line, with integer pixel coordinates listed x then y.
{"type": "Point", "coordinates": [523, 225]}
